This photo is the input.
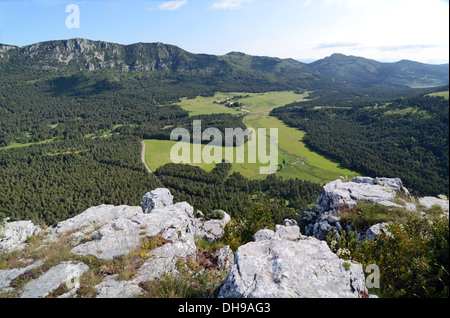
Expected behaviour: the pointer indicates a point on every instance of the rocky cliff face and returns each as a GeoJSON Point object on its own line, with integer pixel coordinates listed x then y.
{"type": "Point", "coordinates": [156, 236]}
{"type": "Point", "coordinates": [109, 233]}
{"type": "Point", "coordinates": [338, 195]}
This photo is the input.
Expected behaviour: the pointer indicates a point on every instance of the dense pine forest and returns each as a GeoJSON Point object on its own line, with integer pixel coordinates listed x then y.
{"type": "Point", "coordinates": [222, 189]}
{"type": "Point", "coordinates": [55, 181]}
{"type": "Point", "coordinates": [406, 138]}
{"type": "Point", "coordinates": [75, 144]}
{"type": "Point", "coordinates": [70, 137]}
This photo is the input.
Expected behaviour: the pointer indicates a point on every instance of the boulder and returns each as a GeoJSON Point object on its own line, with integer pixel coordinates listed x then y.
{"type": "Point", "coordinates": [156, 199]}
{"type": "Point", "coordinates": [13, 235]}
{"type": "Point", "coordinates": [337, 194]}
{"type": "Point", "coordinates": [280, 268]}
{"type": "Point", "coordinates": [65, 272]}
{"type": "Point", "coordinates": [120, 236]}
{"type": "Point", "coordinates": [429, 202]}
{"type": "Point", "coordinates": [212, 230]}
{"type": "Point", "coordinates": [375, 230]}
{"type": "Point", "coordinates": [93, 218]}
{"type": "Point", "coordinates": [225, 258]}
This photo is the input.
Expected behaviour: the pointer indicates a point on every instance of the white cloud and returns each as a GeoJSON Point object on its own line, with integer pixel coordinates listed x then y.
{"type": "Point", "coordinates": [351, 3]}
{"type": "Point", "coordinates": [172, 5]}
{"type": "Point", "coordinates": [229, 4]}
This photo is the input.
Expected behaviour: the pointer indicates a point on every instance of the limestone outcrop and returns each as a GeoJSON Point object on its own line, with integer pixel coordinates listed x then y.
{"type": "Point", "coordinates": [277, 265]}
{"type": "Point", "coordinates": [109, 232]}
{"type": "Point", "coordinates": [338, 195]}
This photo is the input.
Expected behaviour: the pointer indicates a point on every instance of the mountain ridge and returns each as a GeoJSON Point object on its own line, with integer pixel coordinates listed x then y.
{"type": "Point", "coordinates": [78, 54]}
{"type": "Point", "coordinates": [365, 72]}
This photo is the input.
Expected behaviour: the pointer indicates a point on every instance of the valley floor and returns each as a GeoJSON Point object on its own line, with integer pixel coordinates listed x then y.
{"type": "Point", "coordinates": [300, 162]}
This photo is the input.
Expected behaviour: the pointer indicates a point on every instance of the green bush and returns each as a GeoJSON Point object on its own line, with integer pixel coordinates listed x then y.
{"type": "Point", "coordinates": [240, 231]}
{"type": "Point", "coordinates": [413, 257]}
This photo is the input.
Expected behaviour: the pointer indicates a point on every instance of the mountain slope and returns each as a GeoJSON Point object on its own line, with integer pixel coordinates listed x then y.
{"type": "Point", "coordinates": [364, 72]}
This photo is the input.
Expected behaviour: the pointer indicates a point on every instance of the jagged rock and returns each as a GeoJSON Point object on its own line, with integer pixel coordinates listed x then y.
{"type": "Point", "coordinates": [337, 194]}
{"type": "Point", "coordinates": [163, 261]}
{"type": "Point", "coordinates": [66, 272]}
{"type": "Point", "coordinates": [375, 230]}
{"type": "Point", "coordinates": [156, 199]}
{"type": "Point", "coordinates": [13, 235]}
{"type": "Point", "coordinates": [92, 218]}
{"type": "Point", "coordinates": [111, 288]}
{"type": "Point", "coordinates": [225, 258]}
{"type": "Point", "coordinates": [121, 236]}
{"type": "Point", "coordinates": [262, 235]}
{"type": "Point", "coordinates": [286, 269]}
{"type": "Point", "coordinates": [115, 239]}
{"type": "Point", "coordinates": [287, 232]}
{"type": "Point", "coordinates": [429, 202]}
{"type": "Point", "coordinates": [290, 222]}
{"type": "Point", "coordinates": [212, 230]}
{"type": "Point", "coordinates": [7, 276]}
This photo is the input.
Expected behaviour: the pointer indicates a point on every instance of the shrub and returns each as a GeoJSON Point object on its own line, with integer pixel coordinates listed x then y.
{"type": "Point", "coordinates": [241, 231]}
{"type": "Point", "coordinates": [367, 214]}
{"type": "Point", "coordinates": [413, 259]}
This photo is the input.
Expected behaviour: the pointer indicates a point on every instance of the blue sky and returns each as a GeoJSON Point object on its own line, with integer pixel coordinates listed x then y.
{"type": "Point", "coordinates": [385, 30]}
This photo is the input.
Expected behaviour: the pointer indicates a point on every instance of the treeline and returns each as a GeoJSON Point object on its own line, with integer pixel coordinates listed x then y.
{"type": "Point", "coordinates": [52, 182]}
{"type": "Point", "coordinates": [39, 106]}
{"type": "Point", "coordinates": [235, 194]}
{"type": "Point", "coordinates": [406, 138]}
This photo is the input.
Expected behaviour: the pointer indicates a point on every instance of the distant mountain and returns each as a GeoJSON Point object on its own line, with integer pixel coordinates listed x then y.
{"type": "Point", "coordinates": [364, 72]}
{"type": "Point", "coordinates": [85, 55]}
{"type": "Point", "coordinates": [333, 72]}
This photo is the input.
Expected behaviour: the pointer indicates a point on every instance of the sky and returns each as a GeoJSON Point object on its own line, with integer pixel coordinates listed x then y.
{"type": "Point", "coordinates": [306, 30]}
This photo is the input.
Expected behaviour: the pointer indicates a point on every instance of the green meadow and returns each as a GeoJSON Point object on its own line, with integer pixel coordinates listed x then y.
{"type": "Point", "coordinates": [444, 94]}
{"type": "Point", "coordinates": [300, 162]}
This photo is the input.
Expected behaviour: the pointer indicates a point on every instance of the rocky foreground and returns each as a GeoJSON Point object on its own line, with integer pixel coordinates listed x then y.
{"type": "Point", "coordinates": [278, 264]}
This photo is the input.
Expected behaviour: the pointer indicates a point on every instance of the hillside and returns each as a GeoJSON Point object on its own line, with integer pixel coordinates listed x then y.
{"type": "Point", "coordinates": [364, 72]}
{"type": "Point", "coordinates": [76, 55]}
{"type": "Point", "coordinates": [163, 249]}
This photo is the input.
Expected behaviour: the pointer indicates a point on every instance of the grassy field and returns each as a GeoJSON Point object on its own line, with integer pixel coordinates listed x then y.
{"type": "Point", "coordinates": [444, 94]}
{"type": "Point", "coordinates": [301, 162]}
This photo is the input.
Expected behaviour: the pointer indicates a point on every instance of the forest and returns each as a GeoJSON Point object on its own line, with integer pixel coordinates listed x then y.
{"type": "Point", "coordinates": [406, 138]}
{"type": "Point", "coordinates": [52, 182]}
{"type": "Point", "coordinates": [92, 122]}
{"type": "Point", "coordinates": [221, 189]}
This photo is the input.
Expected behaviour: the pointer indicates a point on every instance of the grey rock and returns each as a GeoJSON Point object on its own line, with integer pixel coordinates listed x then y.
{"type": "Point", "coordinates": [262, 235]}
{"type": "Point", "coordinates": [287, 232]}
{"type": "Point", "coordinates": [7, 276]}
{"type": "Point", "coordinates": [163, 261]}
{"type": "Point", "coordinates": [94, 217]}
{"type": "Point", "coordinates": [116, 239]}
{"type": "Point", "coordinates": [337, 194]}
{"type": "Point", "coordinates": [66, 272]}
{"type": "Point", "coordinates": [156, 199]}
{"type": "Point", "coordinates": [13, 235]}
{"type": "Point", "coordinates": [212, 230]}
{"type": "Point", "coordinates": [286, 269]}
{"type": "Point", "coordinates": [225, 258]}
{"type": "Point", "coordinates": [290, 222]}
{"type": "Point", "coordinates": [121, 236]}
{"type": "Point", "coordinates": [111, 288]}
{"type": "Point", "coordinates": [429, 202]}
{"type": "Point", "coordinates": [375, 230]}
